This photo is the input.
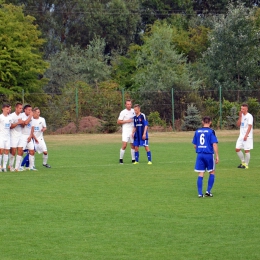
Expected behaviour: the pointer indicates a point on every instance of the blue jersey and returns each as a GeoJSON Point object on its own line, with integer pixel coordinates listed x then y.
{"type": "Point", "coordinates": [139, 123]}
{"type": "Point", "coordinates": [204, 138]}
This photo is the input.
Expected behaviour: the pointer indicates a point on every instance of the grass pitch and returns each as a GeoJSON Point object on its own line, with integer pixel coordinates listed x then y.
{"type": "Point", "coordinates": [87, 206]}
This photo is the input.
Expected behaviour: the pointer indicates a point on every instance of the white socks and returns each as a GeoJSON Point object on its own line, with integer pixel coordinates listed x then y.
{"type": "Point", "coordinates": [31, 161]}
{"type": "Point", "coordinates": [241, 156]}
{"type": "Point", "coordinates": [122, 152]}
{"type": "Point", "coordinates": [5, 160]}
{"type": "Point", "coordinates": [18, 162]}
{"type": "Point", "coordinates": [45, 158]}
{"type": "Point", "coordinates": [133, 154]}
{"type": "Point", "coordinates": [11, 161]}
{"type": "Point", "coordinates": [247, 158]}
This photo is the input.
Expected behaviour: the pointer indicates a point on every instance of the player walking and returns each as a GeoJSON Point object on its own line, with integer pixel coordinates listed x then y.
{"type": "Point", "coordinates": [39, 124]}
{"type": "Point", "coordinates": [205, 143]}
{"type": "Point", "coordinates": [5, 124]}
{"type": "Point", "coordinates": [140, 134]}
{"type": "Point", "coordinates": [245, 139]}
{"type": "Point", "coordinates": [126, 120]}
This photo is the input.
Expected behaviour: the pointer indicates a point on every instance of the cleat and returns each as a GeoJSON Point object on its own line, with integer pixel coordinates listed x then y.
{"type": "Point", "coordinates": [242, 166]}
{"type": "Point", "coordinates": [200, 196]}
{"type": "Point", "coordinates": [133, 161]}
{"type": "Point", "coordinates": [18, 170]}
{"type": "Point", "coordinates": [121, 161]}
{"type": "Point", "coordinates": [4, 170]}
{"type": "Point", "coordinates": [136, 163]}
{"type": "Point", "coordinates": [149, 162]}
{"type": "Point", "coordinates": [47, 165]}
{"type": "Point", "coordinates": [208, 194]}
{"type": "Point", "coordinates": [33, 169]}
{"type": "Point", "coordinates": [21, 169]}
{"type": "Point", "coordinates": [11, 169]}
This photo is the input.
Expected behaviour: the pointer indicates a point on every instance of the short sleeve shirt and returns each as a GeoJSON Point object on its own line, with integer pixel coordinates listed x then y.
{"type": "Point", "coordinates": [246, 120]}
{"type": "Point", "coordinates": [126, 115]}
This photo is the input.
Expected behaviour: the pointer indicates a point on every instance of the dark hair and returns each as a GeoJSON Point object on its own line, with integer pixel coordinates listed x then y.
{"type": "Point", "coordinates": [137, 105]}
{"type": "Point", "coordinates": [206, 120]}
{"type": "Point", "coordinates": [5, 105]}
{"type": "Point", "coordinates": [245, 105]}
{"type": "Point", "coordinates": [18, 104]}
{"type": "Point", "coordinates": [128, 100]}
{"type": "Point", "coordinates": [26, 106]}
{"type": "Point", "coordinates": [36, 108]}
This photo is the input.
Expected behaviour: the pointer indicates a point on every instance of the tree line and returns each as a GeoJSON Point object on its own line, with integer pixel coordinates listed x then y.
{"type": "Point", "coordinates": [52, 47]}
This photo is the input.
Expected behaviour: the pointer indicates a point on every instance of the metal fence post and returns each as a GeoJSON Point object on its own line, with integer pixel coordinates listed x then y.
{"type": "Point", "coordinates": [220, 107]}
{"type": "Point", "coordinates": [23, 96]}
{"type": "Point", "coordinates": [173, 128]}
{"type": "Point", "coordinates": [123, 98]}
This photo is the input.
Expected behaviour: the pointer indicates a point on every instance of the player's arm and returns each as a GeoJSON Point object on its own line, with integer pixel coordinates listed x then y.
{"type": "Point", "coordinates": [44, 129]}
{"type": "Point", "coordinates": [247, 132]}
{"type": "Point", "coordinates": [215, 147]}
{"type": "Point", "coordinates": [144, 133]}
{"type": "Point", "coordinates": [239, 119]}
{"type": "Point", "coordinates": [133, 132]}
{"type": "Point", "coordinates": [19, 122]}
{"type": "Point", "coordinates": [28, 120]}
{"type": "Point", "coordinates": [121, 122]}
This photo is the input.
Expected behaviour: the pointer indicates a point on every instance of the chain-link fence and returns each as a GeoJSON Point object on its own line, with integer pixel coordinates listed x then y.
{"type": "Point", "coordinates": [70, 107]}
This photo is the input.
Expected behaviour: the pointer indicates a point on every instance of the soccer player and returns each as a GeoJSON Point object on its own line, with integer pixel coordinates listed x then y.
{"type": "Point", "coordinates": [206, 144]}
{"type": "Point", "coordinates": [16, 132]}
{"type": "Point", "coordinates": [26, 139]}
{"type": "Point", "coordinates": [5, 124]}
{"type": "Point", "coordinates": [126, 119]}
{"type": "Point", "coordinates": [140, 134]}
{"type": "Point", "coordinates": [39, 127]}
{"type": "Point", "coordinates": [245, 139]}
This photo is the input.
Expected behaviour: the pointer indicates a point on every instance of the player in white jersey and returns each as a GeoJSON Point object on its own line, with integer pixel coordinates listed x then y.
{"type": "Point", "coordinates": [5, 124]}
{"type": "Point", "coordinates": [245, 139]}
{"type": "Point", "coordinates": [16, 132]}
{"type": "Point", "coordinates": [26, 138]}
{"type": "Point", "coordinates": [126, 119]}
{"type": "Point", "coordinates": [39, 127]}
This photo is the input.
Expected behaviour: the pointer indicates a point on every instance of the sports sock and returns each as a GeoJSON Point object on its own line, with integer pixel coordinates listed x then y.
{"type": "Point", "coordinates": [25, 160]}
{"type": "Point", "coordinates": [5, 160]}
{"type": "Point", "coordinates": [11, 161]}
{"type": "Point", "coordinates": [133, 154]}
{"type": "Point", "coordinates": [31, 161]}
{"type": "Point", "coordinates": [210, 182]}
{"type": "Point", "coordinates": [247, 158]}
{"type": "Point", "coordinates": [45, 158]}
{"type": "Point", "coordinates": [149, 156]}
{"type": "Point", "coordinates": [137, 156]}
{"type": "Point", "coordinates": [18, 161]}
{"type": "Point", "coordinates": [0, 160]}
{"type": "Point", "coordinates": [122, 152]}
{"type": "Point", "coordinates": [241, 156]}
{"type": "Point", "coordinates": [200, 185]}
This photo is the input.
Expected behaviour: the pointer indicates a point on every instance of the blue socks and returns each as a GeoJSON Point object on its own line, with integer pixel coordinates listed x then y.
{"type": "Point", "coordinates": [210, 182]}
{"type": "Point", "coordinates": [149, 156]}
{"type": "Point", "coordinates": [200, 185]}
{"type": "Point", "coordinates": [137, 156]}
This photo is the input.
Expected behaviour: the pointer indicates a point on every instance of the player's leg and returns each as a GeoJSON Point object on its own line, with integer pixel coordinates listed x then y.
{"type": "Point", "coordinates": [131, 140]}
{"type": "Point", "coordinates": [30, 147]}
{"type": "Point", "coordinates": [211, 180]}
{"type": "Point", "coordinates": [122, 152]}
{"type": "Point", "coordinates": [148, 152]}
{"type": "Point", "coordinates": [248, 145]}
{"type": "Point", "coordinates": [200, 168]}
{"type": "Point", "coordinates": [136, 152]}
{"type": "Point", "coordinates": [12, 157]}
{"type": "Point", "coordinates": [25, 162]}
{"type": "Point", "coordinates": [5, 158]}
{"type": "Point", "coordinates": [239, 146]}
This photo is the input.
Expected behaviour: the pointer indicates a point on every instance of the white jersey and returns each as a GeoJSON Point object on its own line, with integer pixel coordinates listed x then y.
{"type": "Point", "coordinates": [16, 131]}
{"type": "Point", "coordinates": [5, 124]}
{"type": "Point", "coordinates": [245, 121]}
{"type": "Point", "coordinates": [38, 124]}
{"type": "Point", "coordinates": [125, 115]}
{"type": "Point", "coordinates": [27, 128]}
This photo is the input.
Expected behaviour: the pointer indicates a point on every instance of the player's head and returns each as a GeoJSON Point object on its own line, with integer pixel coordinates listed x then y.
{"type": "Point", "coordinates": [206, 120]}
{"type": "Point", "coordinates": [27, 109]}
{"type": "Point", "coordinates": [244, 108]}
{"type": "Point", "coordinates": [18, 107]}
{"type": "Point", "coordinates": [36, 112]}
{"type": "Point", "coordinates": [6, 109]}
{"type": "Point", "coordinates": [137, 109]}
{"type": "Point", "coordinates": [128, 104]}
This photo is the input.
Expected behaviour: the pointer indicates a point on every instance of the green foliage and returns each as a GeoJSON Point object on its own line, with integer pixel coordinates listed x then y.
{"type": "Point", "coordinates": [155, 120]}
{"type": "Point", "coordinates": [232, 118]}
{"type": "Point", "coordinates": [108, 125]}
{"type": "Point", "coordinates": [21, 63]}
{"type": "Point", "coordinates": [192, 120]}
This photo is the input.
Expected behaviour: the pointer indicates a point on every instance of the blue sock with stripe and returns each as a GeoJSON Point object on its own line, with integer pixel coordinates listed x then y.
{"type": "Point", "coordinates": [200, 185]}
{"type": "Point", "coordinates": [137, 156]}
{"type": "Point", "coordinates": [149, 156]}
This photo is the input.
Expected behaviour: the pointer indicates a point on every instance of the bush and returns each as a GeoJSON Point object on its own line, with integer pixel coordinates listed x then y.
{"type": "Point", "coordinates": [155, 120]}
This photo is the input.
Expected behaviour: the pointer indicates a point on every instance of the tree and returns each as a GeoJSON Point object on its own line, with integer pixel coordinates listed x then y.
{"type": "Point", "coordinates": [21, 63]}
{"type": "Point", "coordinates": [232, 59]}
{"type": "Point", "coordinates": [193, 119]}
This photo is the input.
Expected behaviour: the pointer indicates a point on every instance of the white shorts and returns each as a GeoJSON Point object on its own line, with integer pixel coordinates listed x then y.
{"type": "Point", "coordinates": [127, 137]}
{"type": "Point", "coordinates": [24, 143]}
{"type": "Point", "coordinates": [16, 141]}
{"type": "Point", "coordinates": [5, 143]}
{"type": "Point", "coordinates": [245, 145]}
{"type": "Point", "coordinates": [41, 146]}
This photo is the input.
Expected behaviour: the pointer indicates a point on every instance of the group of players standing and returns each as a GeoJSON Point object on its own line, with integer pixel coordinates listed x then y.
{"type": "Point", "coordinates": [135, 131]}
{"type": "Point", "coordinates": [19, 131]}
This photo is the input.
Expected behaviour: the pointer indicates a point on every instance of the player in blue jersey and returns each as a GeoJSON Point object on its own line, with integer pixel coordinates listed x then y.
{"type": "Point", "coordinates": [140, 134]}
{"type": "Point", "coordinates": [206, 144]}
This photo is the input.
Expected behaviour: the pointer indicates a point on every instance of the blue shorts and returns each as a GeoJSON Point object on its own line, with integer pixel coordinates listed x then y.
{"type": "Point", "coordinates": [204, 162]}
{"type": "Point", "coordinates": [140, 142]}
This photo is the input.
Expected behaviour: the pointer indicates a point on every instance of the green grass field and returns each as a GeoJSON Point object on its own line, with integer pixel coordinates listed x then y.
{"type": "Point", "coordinates": [87, 206]}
